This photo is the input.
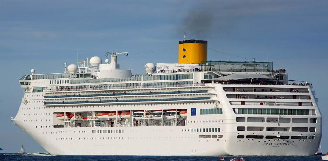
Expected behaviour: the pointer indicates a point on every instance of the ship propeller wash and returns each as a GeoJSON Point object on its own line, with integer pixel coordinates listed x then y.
{"type": "Point", "coordinates": [194, 107]}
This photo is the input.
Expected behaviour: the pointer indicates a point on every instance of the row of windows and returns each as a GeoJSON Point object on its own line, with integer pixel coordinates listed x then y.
{"type": "Point", "coordinates": [204, 121]}
{"type": "Point", "coordinates": [59, 132]}
{"type": "Point", "coordinates": [191, 130]}
{"type": "Point", "coordinates": [265, 89]}
{"type": "Point", "coordinates": [274, 137]}
{"type": "Point", "coordinates": [92, 138]}
{"type": "Point", "coordinates": [25, 83]}
{"type": "Point", "coordinates": [277, 120]}
{"type": "Point", "coordinates": [125, 100]}
{"type": "Point", "coordinates": [272, 111]}
{"type": "Point", "coordinates": [292, 129]}
{"type": "Point", "coordinates": [210, 76]}
{"type": "Point", "coordinates": [47, 76]}
{"type": "Point", "coordinates": [143, 104]}
{"type": "Point", "coordinates": [135, 85]}
{"type": "Point", "coordinates": [36, 120]}
{"type": "Point", "coordinates": [33, 95]}
{"type": "Point", "coordinates": [108, 131]}
{"type": "Point", "coordinates": [59, 81]}
{"type": "Point", "coordinates": [203, 130]}
{"type": "Point", "coordinates": [133, 138]}
{"type": "Point", "coordinates": [131, 97]}
{"type": "Point", "coordinates": [35, 114]}
{"type": "Point", "coordinates": [125, 93]}
{"type": "Point", "coordinates": [136, 78]}
{"type": "Point", "coordinates": [210, 136]}
{"type": "Point", "coordinates": [211, 111]}
{"type": "Point", "coordinates": [43, 126]}
{"type": "Point", "coordinates": [25, 102]}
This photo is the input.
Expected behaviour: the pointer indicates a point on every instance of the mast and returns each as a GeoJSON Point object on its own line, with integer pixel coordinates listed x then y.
{"type": "Point", "coordinates": [113, 63]}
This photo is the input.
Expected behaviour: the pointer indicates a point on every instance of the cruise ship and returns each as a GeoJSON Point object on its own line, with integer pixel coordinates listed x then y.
{"type": "Point", "coordinates": [194, 107]}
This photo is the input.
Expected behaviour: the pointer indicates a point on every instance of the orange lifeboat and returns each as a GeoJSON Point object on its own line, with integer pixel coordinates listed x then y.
{"type": "Point", "coordinates": [183, 112]}
{"type": "Point", "coordinates": [61, 116]}
{"type": "Point", "coordinates": [102, 115]}
{"type": "Point", "coordinates": [106, 115]}
{"type": "Point", "coordinates": [124, 113]}
{"type": "Point", "coordinates": [70, 115]}
{"type": "Point", "coordinates": [112, 114]}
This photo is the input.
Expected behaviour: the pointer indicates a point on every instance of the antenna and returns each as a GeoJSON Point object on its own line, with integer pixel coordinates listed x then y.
{"type": "Point", "coordinates": [65, 67]}
{"type": "Point", "coordinates": [184, 36]}
{"type": "Point", "coordinates": [116, 53]}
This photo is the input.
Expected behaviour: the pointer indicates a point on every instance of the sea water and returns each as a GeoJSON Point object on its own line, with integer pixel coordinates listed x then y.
{"type": "Point", "coordinates": [11, 157]}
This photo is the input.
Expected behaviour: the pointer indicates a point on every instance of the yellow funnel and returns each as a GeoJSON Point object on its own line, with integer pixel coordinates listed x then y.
{"type": "Point", "coordinates": [192, 51]}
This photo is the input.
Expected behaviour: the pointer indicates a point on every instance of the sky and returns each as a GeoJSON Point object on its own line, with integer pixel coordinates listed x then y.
{"type": "Point", "coordinates": [42, 35]}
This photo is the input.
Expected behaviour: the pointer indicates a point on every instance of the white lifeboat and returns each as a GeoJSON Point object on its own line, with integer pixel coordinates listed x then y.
{"type": "Point", "coordinates": [139, 114]}
{"type": "Point", "coordinates": [157, 114]}
{"type": "Point", "coordinates": [170, 114]}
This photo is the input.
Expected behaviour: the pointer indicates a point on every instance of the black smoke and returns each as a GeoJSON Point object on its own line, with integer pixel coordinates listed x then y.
{"type": "Point", "coordinates": [198, 23]}
{"type": "Point", "coordinates": [210, 18]}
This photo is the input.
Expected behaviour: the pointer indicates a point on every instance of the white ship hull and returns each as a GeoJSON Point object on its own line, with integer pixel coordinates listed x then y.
{"type": "Point", "coordinates": [159, 140]}
{"type": "Point", "coordinates": [214, 108]}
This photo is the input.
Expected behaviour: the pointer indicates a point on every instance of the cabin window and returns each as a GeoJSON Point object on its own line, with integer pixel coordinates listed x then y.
{"type": "Point", "coordinates": [254, 136]}
{"type": "Point", "coordinates": [313, 120]}
{"type": "Point", "coordinates": [211, 111]}
{"type": "Point", "coordinates": [240, 119]}
{"type": "Point", "coordinates": [241, 128]}
{"type": "Point", "coordinates": [300, 129]}
{"type": "Point", "coordinates": [312, 129]}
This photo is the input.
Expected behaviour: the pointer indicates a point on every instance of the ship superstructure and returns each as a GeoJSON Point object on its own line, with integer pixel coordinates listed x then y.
{"type": "Point", "coordinates": [194, 107]}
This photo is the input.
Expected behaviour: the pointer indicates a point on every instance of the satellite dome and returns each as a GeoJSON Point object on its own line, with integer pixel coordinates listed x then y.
{"type": "Point", "coordinates": [72, 68]}
{"type": "Point", "coordinates": [150, 68]}
{"type": "Point", "coordinates": [32, 70]}
{"type": "Point", "coordinates": [95, 61]}
{"type": "Point", "coordinates": [106, 61]}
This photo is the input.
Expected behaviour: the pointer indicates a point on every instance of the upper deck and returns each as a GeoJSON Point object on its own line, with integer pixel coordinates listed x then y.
{"type": "Point", "coordinates": [238, 66]}
{"type": "Point", "coordinates": [95, 74]}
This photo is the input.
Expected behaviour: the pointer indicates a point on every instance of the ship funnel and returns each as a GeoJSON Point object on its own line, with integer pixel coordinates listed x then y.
{"type": "Point", "coordinates": [192, 51]}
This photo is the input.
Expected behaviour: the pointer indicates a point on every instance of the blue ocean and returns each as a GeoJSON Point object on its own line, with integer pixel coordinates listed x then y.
{"type": "Point", "coordinates": [8, 157]}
